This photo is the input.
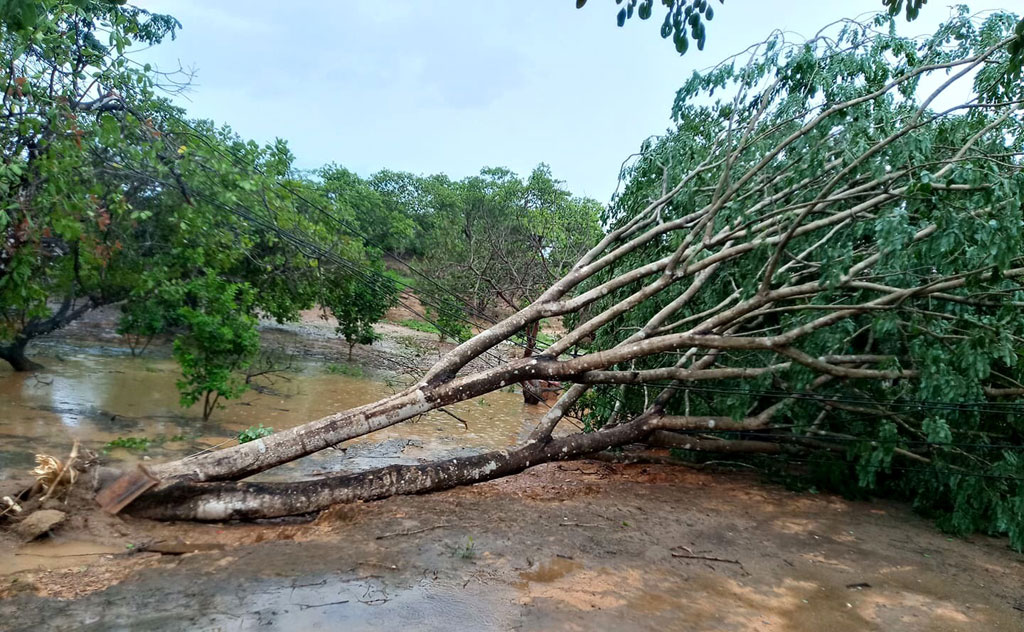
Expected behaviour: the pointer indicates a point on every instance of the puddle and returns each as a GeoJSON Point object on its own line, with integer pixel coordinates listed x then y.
{"type": "Point", "coordinates": [51, 554]}
{"type": "Point", "coordinates": [552, 570]}
{"type": "Point", "coordinates": [370, 604]}
{"type": "Point", "coordinates": [287, 605]}
{"type": "Point", "coordinates": [355, 580]}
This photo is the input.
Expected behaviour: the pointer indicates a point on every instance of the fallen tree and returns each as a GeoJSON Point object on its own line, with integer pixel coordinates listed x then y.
{"type": "Point", "coordinates": [806, 262]}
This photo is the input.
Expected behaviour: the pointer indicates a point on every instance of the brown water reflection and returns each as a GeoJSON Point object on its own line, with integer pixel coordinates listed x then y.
{"type": "Point", "coordinates": [97, 398]}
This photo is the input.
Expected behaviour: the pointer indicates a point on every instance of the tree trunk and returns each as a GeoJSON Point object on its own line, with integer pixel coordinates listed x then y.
{"type": "Point", "coordinates": [253, 457]}
{"type": "Point", "coordinates": [250, 458]}
{"type": "Point", "coordinates": [532, 394]}
{"type": "Point", "coordinates": [14, 354]}
{"type": "Point", "coordinates": [250, 501]}
{"type": "Point", "coordinates": [668, 439]}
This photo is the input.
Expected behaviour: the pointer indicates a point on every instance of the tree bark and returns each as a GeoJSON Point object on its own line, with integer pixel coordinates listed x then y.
{"type": "Point", "coordinates": [667, 439]}
{"type": "Point", "coordinates": [531, 391]}
{"type": "Point", "coordinates": [14, 354]}
{"type": "Point", "coordinates": [250, 501]}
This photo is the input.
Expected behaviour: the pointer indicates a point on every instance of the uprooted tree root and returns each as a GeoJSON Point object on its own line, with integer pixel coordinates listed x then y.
{"type": "Point", "coordinates": [52, 478]}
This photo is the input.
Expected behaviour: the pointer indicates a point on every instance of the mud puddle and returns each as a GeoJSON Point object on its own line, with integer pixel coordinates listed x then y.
{"type": "Point", "coordinates": [297, 605]}
{"type": "Point", "coordinates": [52, 553]}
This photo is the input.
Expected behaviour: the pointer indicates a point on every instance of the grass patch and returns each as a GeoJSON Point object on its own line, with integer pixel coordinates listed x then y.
{"type": "Point", "coordinates": [414, 344]}
{"type": "Point", "coordinates": [140, 444]}
{"type": "Point", "coordinates": [543, 340]}
{"type": "Point", "coordinates": [345, 369]}
{"type": "Point", "coordinates": [419, 325]}
{"type": "Point", "coordinates": [465, 550]}
{"type": "Point", "coordinates": [403, 281]}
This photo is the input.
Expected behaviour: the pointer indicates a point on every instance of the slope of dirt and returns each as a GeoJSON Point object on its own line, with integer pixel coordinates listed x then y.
{"type": "Point", "coordinates": [573, 546]}
{"type": "Point", "coordinates": [398, 350]}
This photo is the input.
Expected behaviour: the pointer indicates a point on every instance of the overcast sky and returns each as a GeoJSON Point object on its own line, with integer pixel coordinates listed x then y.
{"type": "Point", "coordinates": [452, 86]}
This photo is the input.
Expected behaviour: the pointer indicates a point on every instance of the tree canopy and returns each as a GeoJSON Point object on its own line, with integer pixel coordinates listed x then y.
{"type": "Point", "coordinates": [687, 20]}
{"type": "Point", "coordinates": [112, 195]}
{"type": "Point", "coordinates": [833, 204]}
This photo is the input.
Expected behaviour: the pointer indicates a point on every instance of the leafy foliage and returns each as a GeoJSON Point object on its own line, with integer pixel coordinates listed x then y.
{"type": "Point", "coordinates": [357, 305]}
{"type": "Point", "coordinates": [450, 321]}
{"type": "Point", "coordinates": [111, 195]}
{"type": "Point", "coordinates": [67, 218]}
{"type": "Point", "coordinates": [420, 325]}
{"type": "Point", "coordinates": [220, 339]}
{"type": "Point", "coordinates": [144, 318]}
{"type": "Point", "coordinates": [685, 20]}
{"type": "Point", "coordinates": [139, 444]}
{"type": "Point", "coordinates": [254, 432]}
{"type": "Point", "coordinates": [496, 240]}
{"type": "Point", "coordinates": [947, 437]}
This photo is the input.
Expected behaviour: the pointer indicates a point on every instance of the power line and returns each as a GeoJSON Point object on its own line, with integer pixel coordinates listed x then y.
{"type": "Point", "coordinates": [216, 147]}
{"type": "Point", "coordinates": [886, 468]}
{"type": "Point", "coordinates": [842, 439]}
{"type": "Point", "coordinates": [991, 407]}
{"type": "Point", "coordinates": [372, 278]}
{"type": "Point", "coordinates": [343, 223]}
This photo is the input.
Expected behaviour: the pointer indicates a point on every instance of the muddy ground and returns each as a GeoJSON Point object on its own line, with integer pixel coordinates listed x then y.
{"type": "Point", "coordinates": [572, 546]}
{"type": "Point", "coordinates": [577, 546]}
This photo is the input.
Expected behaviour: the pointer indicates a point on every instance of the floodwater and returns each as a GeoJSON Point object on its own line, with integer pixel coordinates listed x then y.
{"type": "Point", "coordinates": [52, 553]}
{"type": "Point", "coordinates": [97, 398]}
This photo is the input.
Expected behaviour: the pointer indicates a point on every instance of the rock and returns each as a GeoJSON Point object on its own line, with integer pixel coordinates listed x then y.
{"type": "Point", "coordinates": [51, 503]}
{"type": "Point", "coordinates": [39, 522]}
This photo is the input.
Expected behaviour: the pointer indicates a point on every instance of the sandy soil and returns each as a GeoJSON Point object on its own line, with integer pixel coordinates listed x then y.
{"type": "Point", "coordinates": [576, 546]}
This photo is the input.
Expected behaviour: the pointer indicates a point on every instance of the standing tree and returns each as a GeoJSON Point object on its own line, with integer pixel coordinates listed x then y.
{"type": "Point", "coordinates": [385, 226]}
{"type": "Point", "coordinates": [232, 217]}
{"type": "Point", "coordinates": [69, 95]}
{"type": "Point", "coordinates": [219, 340]}
{"type": "Point", "coordinates": [497, 241]}
{"type": "Point", "coordinates": [358, 303]}
{"type": "Point", "coordinates": [111, 195]}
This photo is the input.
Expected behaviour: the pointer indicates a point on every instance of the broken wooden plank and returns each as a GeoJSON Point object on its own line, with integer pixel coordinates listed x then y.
{"type": "Point", "coordinates": [119, 494]}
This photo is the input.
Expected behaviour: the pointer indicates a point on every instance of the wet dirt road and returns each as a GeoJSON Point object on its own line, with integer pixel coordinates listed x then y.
{"type": "Point", "coordinates": [578, 546]}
